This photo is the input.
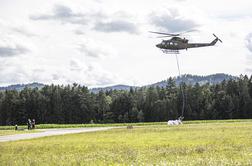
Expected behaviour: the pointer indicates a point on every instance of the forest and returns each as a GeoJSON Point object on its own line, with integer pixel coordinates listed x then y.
{"type": "Point", "coordinates": [71, 104]}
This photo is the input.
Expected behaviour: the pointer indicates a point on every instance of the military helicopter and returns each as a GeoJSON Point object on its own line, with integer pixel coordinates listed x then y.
{"type": "Point", "coordinates": [176, 43]}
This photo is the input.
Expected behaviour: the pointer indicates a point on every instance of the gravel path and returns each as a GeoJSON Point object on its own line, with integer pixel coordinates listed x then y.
{"type": "Point", "coordinates": [51, 132]}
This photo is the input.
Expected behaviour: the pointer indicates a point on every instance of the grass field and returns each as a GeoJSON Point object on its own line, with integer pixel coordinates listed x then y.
{"type": "Point", "coordinates": [215, 143]}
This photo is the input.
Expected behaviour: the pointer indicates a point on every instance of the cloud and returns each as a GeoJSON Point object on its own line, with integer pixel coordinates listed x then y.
{"type": "Point", "coordinates": [23, 31]}
{"type": "Point", "coordinates": [116, 26]}
{"type": "Point", "coordinates": [55, 76]}
{"type": "Point", "coordinates": [98, 20]}
{"type": "Point", "coordinates": [13, 39]}
{"type": "Point", "coordinates": [171, 21]}
{"type": "Point", "coordinates": [79, 32]}
{"type": "Point", "coordinates": [64, 14]}
{"type": "Point", "coordinates": [249, 42]}
{"type": "Point", "coordinates": [75, 65]}
{"type": "Point", "coordinates": [88, 51]}
{"type": "Point", "coordinates": [13, 28]}
{"type": "Point", "coordinates": [98, 75]}
{"type": "Point", "coordinates": [9, 51]}
{"type": "Point", "coordinates": [12, 72]}
{"type": "Point", "coordinates": [104, 80]}
{"type": "Point", "coordinates": [87, 73]}
{"type": "Point", "coordinates": [96, 49]}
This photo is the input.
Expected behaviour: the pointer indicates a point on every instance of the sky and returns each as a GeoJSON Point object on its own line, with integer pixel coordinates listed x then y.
{"type": "Point", "coordinates": [101, 43]}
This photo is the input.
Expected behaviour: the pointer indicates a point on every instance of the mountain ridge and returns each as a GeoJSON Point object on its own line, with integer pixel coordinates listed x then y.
{"type": "Point", "coordinates": [20, 87]}
{"type": "Point", "coordinates": [187, 78]}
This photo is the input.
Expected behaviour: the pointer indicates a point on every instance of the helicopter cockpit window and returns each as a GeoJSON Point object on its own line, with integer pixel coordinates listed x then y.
{"type": "Point", "coordinates": [163, 43]}
{"type": "Point", "coordinates": [171, 43]}
{"type": "Point", "coordinates": [175, 44]}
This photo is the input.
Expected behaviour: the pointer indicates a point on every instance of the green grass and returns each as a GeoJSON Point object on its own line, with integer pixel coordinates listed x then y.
{"type": "Point", "coordinates": [210, 143]}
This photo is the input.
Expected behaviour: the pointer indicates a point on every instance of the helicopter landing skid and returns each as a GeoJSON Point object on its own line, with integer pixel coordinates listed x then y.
{"type": "Point", "coordinates": [166, 51]}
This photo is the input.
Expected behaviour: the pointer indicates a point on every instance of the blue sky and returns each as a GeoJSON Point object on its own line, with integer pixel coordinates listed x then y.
{"type": "Point", "coordinates": [100, 43]}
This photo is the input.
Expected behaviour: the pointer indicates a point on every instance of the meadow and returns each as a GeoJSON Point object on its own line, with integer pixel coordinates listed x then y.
{"type": "Point", "coordinates": [199, 143]}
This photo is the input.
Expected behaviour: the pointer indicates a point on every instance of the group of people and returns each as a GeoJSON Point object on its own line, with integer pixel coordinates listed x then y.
{"type": "Point", "coordinates": [31, 124]}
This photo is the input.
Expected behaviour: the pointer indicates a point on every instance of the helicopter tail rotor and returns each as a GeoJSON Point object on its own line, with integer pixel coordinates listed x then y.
{"type": "Point", "coordinates": [217, 38]}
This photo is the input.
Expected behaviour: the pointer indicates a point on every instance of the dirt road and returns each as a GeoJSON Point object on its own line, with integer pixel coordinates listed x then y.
{"type": "Point", "coordinates": [51, 132]}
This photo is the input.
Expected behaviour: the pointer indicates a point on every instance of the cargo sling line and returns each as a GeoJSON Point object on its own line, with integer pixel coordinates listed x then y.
{"type": "Point", "coordinates": [181, 88]}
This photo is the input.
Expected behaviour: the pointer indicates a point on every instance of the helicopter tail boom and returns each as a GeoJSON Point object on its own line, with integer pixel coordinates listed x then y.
{"type": "Point", "coordinates": [213, 42]}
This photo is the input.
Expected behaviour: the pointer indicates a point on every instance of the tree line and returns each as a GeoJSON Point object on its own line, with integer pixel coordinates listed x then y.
{"type": "Point", "coordinates": [71, 104]}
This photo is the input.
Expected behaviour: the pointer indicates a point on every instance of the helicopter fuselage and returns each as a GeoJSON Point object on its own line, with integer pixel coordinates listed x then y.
{"type": "Point", "coordinates": [180, 44]}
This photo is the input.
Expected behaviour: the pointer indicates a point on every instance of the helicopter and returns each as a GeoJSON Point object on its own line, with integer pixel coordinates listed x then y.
{"type": "Point", "coordinates": [176, 43]}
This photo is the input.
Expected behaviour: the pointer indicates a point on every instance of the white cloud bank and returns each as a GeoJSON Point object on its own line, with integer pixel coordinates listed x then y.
{"type": "Point", "coordinates": [98, 43]}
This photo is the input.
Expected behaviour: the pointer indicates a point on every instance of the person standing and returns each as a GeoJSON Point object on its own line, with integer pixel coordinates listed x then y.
{"type": "Point", "coordinates": [33, 123]}
{"type": "Point", "coordinates": [29, 124]}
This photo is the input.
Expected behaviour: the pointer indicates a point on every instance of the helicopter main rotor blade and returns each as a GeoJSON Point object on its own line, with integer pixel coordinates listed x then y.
{"type": "Point", "coordinates": [161, 33]}
{"type": "Point", "coordinates": [164, 36]}
{"type": "Point", "coordinates": [173, 34]}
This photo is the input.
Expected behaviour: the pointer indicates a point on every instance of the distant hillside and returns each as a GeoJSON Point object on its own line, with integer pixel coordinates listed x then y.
{"type": "Point", "coordinates": [116, 87]}
{"type": "Point", "coordinates": [20, 87]}
{"type": "Point", "coordinates": [193, 79]}
{"type": "Point", "coordinates": [188, 79]}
